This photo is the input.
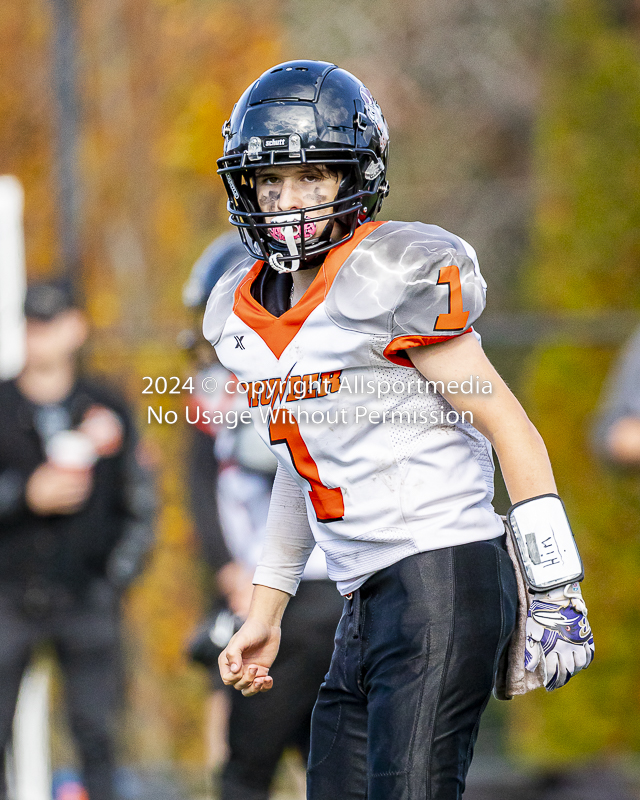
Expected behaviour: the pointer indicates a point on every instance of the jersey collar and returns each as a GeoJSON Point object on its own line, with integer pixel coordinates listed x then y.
{"type": "Point", "coordinates": [278, 332]}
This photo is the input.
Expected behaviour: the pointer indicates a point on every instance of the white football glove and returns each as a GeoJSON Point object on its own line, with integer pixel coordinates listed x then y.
{"type": "Point", "coordinates": [559, 635]}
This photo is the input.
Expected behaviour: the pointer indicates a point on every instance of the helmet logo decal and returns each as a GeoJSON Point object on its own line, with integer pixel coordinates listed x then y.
{"type": "Point", "coordinates": [374, 169]}
{"type": "Point", "coordinates": [375, 115]}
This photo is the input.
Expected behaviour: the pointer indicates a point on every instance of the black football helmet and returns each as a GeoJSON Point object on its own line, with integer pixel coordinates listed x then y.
{"type": "Point", "coordinates": [304, 112]}
{"type": "Point", "coordinates": [223, 253]}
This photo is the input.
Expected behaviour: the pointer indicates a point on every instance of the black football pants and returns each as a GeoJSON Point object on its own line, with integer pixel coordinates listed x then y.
{"type": "Point", "coordinates": [415, 658]}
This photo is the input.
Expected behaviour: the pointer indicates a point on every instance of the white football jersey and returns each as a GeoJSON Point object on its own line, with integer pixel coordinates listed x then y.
{"type": "Point", "coordinates": [246, 470]}
{"type": "Point", "coordinates": [387, 467]}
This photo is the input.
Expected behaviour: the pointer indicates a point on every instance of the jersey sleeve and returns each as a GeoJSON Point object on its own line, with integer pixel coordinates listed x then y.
{"type": "Point", "coordinates": [415, 284]}
{"type": "Point", "coordinates": [289, 540]}
{"type": "Point", "coordinates": [443, 295]}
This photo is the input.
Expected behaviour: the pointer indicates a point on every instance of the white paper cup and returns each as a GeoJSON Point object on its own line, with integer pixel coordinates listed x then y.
{"type": "Point", "coordinates": [72, 450]}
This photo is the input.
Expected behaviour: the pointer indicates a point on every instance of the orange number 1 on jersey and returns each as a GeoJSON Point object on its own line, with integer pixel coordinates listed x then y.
{"type": "Point", "coordinates": [457, 317]}
{"type": "Point", "coordinates": [328, 503]}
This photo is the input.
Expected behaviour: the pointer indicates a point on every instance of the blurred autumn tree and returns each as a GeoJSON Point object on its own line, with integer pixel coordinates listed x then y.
{"type": "Point", "coordinates": [156, 79]}
{"type": "Point", "coordinates": [161, 79]}
{"type": "Point", "coordinates": [585, 258]}
{"type": "Point", "coordinates": [26, 123]}
{"type": "Point", "coordinates": [458, 83]}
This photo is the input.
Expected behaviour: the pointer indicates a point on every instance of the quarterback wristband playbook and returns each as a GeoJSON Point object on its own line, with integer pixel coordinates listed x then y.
{"type": "Point", "coordinates": [544, 543]}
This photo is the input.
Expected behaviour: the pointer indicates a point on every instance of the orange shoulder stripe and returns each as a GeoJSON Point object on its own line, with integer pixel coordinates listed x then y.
{"type": "Point", "coordinates": [393, 351]}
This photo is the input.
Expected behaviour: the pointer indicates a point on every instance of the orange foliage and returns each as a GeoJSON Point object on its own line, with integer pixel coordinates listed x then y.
{"type": "Point", "coordinates": [156, 78]}
{"type": "Point", "coordinates": [26, 121]}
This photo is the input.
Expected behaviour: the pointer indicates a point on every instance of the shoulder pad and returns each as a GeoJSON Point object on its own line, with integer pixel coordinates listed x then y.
{"type": "Point", "coordinates": [221, 299]}
{"type": "Point", "coordinates": [397, 283]}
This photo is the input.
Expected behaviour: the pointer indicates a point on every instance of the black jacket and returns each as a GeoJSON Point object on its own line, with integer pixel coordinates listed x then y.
{"type": "Point", "coordinates": [108, 537]}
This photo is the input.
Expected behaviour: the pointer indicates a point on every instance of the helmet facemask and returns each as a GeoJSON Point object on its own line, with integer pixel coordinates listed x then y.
{"type": "Point", "coordinates": [290, 243]}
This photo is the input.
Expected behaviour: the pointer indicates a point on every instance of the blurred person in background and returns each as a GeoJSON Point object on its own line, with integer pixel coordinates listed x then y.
{"type": "Point", "coordinates": [617, 433]}
{"type": "Point", "coordinates": [76, 521]}
{"type": "Point", "coordinates": [231, 474]}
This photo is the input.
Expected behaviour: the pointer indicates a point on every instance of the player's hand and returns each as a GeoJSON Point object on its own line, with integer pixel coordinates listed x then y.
{"type": "Point", "coordinates": [558, 634]}
{"type": "Point", "coordinates": [104, 428]}
{"type": "Point", "coordinates": [57, 490]}
{"type": "Point", "coordinates": [244, 663]}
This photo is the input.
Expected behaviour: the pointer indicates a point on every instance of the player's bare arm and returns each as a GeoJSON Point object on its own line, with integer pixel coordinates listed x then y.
{"type": "Point", "coordinates": [499, 415]}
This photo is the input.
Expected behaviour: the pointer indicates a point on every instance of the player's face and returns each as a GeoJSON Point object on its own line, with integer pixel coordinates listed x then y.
{"type": "Point", "coordinates": [285, 189]}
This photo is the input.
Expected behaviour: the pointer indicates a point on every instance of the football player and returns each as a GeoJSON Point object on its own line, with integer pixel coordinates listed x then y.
{"type": "Point", "coordinates": [353, 341]}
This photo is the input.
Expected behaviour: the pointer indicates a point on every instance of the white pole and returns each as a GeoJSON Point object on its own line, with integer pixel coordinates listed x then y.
{"type": "Point", "coordinates": [31, 749]}
{"type": "Point", "coordinates": [29, 764]}
{"type": "Point", "coordinates": [12, 277]}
